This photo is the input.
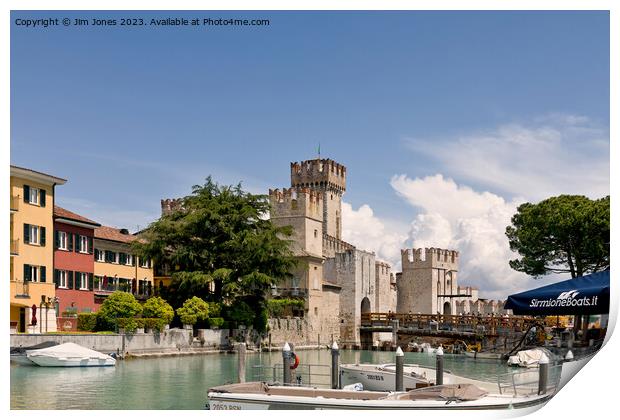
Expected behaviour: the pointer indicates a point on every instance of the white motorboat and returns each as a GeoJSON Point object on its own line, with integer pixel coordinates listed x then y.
{"type": "Point", "coordinates": [528, 358]}
{"type": "Point", "coordinates": [19, 355]}
{"type": "Point", "coordinates": [259, 395]}
{"type": "Point", "coordinates": [69, 355]}
{"type": "Point", "coordinates": [383, 377]}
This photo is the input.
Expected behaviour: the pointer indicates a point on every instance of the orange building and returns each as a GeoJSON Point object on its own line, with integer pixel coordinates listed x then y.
{"type": "Point", "coordinates": [32, 292]}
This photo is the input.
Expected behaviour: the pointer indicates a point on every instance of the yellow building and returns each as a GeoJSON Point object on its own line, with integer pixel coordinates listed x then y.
{"type": "Point", "coordinates": [117, 268]}
{"type": "Point", "coordinates": [32, 253]}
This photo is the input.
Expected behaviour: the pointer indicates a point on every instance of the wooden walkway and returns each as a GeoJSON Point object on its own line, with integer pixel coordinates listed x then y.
{"type": "Point", "coordinates": [444, 325]}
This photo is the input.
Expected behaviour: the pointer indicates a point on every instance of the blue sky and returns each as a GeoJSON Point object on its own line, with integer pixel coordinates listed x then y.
{"type": "Point", "coordinates": [502, 105]}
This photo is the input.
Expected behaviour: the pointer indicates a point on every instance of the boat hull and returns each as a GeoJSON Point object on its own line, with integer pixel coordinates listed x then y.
{"type": "Point", "coordinates": [49, 361]}
{"type": "Point", "coordinates": [509, 407]}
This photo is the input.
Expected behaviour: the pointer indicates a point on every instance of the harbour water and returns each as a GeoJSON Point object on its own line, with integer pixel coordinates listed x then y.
{"type": "Point", "coordinates": [182, 382]}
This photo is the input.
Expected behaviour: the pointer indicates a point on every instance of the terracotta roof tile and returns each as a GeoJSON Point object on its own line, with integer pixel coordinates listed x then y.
{"type": "Point", "coordinates": [66, 214]}
{"type": "Point", "coordinates": [113, 234]}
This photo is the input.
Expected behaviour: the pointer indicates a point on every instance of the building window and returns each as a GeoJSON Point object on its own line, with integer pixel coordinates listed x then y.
{"type": "Point", "coordinates": [83, 244]}
{"type": "Point", "coordinates": [129, 259]}
{"type": "Point", "coordinates": [34, 235]}
{"type": "Point", "coordinates": [62, 241]}
{"type": "Point", "coordinates": [33, 197]}
{"type": "Point", "coordinates": [145, 263]}
{"type": "Point", "coordinates": [316, 311]}
{"type": "Point", "coordinates": [62, 279]}
{"type": "Point", "coordinates": [34, 273]}
{"type": "Point", "coordinates": [99, 255]}
{"type": "Point", "coordinates": [83, 281]}
{"type": "Point", "coordinates": [316, 233]}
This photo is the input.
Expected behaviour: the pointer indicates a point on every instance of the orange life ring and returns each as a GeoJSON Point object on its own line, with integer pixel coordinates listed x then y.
{"type": "Point", "coordinates": [296, 362]}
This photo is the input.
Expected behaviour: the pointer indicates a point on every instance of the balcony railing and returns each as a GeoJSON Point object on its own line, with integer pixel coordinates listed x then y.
{"type": "Point", "coordinates": [289, 291]}
{"type": "Point", "coordinates": [22, 289]}
{"type": "Point", "coordinates": [14, 246]}
{"type": "Point", "coordinates": [141, 293]}
{"type": "Point", "coordinates": [14, 201]}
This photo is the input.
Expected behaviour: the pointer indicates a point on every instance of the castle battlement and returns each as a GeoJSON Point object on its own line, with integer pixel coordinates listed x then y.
{"type": "Point", "coordinates": [319, 173]}
{"type": "Point", "coordinates": [429, 257]}
{"type": "Point", "coordinates": [333, 245]}
{"type": "Point", "coordinates": [169, 205]}
{"type": "Point", "coordinates": [296, 201]}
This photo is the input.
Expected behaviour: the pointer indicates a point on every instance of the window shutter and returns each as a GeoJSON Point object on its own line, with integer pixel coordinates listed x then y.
{"type": "Point", "coordinates": [56, 278]}
{"type": "Point", "coordinates": [26, 194]}
{"type": "Point", "coordinates": [56, 240]}
{"type": "Point", "coordinates": [91, 281]}
{"type": "Point", "coordinates": [90, 244]}
{"type": "Point", "coordinates": [122, 258]}
{"type": "Point", "coordinates": [26, 233]}
{"type": "Point", "coordinates": [42, 271]}
{"type": "Point", "coordinates": [42, 197]}
{"type": "Point", "coordinates": [69, 241]}
{"type": "Point", "coordinates": [76, 242]}
{"type": "Point", "coordinates": [76, 280]}
{"type": "Point", "coordinates": [27, 273]}
{"type": "Point", "coordinates": [42, 233]}
{"type": "Point", "coordinates": [69, 279]}
{"type": "Point", "coordinates": [133, 261]}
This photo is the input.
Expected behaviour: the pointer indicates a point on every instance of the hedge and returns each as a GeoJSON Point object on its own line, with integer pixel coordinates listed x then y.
{"type": "Point", "coordinates": [87, 321]}
{"type": "Point", "coordinates": [130, 325]}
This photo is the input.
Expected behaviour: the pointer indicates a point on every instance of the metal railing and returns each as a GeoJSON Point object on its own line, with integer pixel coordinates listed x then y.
{"type": "Point", "coordinates": [523, 383]}
{"type": "Point", "coordinates": [305, 375]}
{"type": "Point", "coordinates": [471, 323]}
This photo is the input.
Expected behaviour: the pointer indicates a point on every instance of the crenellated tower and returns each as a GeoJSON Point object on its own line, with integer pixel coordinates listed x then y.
{"type": "Point", "coordinates": [428, 283]}
{"type": "Point", "coordinates": [330, 179]}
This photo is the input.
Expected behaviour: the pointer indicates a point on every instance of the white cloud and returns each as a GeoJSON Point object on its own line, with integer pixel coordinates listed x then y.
{"type": "Point", "coordinates": [554, 154]}
{"type": "Point", "coordinates": [366, 231]}
{"type": "Point", "coordinates": [456, 217]}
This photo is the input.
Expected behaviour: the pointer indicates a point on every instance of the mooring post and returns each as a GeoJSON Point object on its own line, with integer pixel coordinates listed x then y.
{"type": "Point", "coordinates": [543, 374]}
{"type": "Point", "coordinates": [439, 367]}
{"type": "Point", "coordinates": [241, 356]}
{"type": "Point", "coordinates": [286, 364]}
{"type": "Point", "coordinates": [335, 366]}
{"type": "Point", "coordinates": [400, 361]}
{"type": "Point", "coordinates": [395, 325]}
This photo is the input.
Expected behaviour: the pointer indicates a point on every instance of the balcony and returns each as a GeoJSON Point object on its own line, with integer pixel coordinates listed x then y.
{"type": "Point", "coordinates": [142, 293]}
{"type": "Point", "coordinates": [14, 201]}
{"type": "Point", "coordinates": [22, 289]}
{"type": "Point", "coordinates": [289, 292]}
{"type": "Point", "coordinates": [14, 246]}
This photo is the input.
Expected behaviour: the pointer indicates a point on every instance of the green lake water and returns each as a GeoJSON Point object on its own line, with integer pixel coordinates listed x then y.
{"type": "Point", "coordinates": [182, 382]}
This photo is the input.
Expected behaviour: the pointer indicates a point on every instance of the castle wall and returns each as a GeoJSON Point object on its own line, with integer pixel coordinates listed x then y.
{"type": "Point", "coordinates": [356, 274]}
{"type": "Point", "coordinates": [425, 277]}
{"type": "Point", "coordinates": [383, 289]}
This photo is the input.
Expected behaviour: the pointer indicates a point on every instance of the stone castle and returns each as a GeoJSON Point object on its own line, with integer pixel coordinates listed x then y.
{"type": "Point", "coordinates": [338, 281]}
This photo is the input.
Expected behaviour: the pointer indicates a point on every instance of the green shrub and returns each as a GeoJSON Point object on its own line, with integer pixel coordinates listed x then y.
{"type": "Point", "coordinates": [215, 309]}
{"type": "Point", "coordinates": [118, 305]}
{"type": "Point", "coordinates": [193, 310]}
{"type": "Point", "coordinates": [278, 308]}
{"type": "Point", "coordinates": [157, 307]}
{"type": "Point", "coordinates": [156, 324]}
{"type": "Point", "coordinates": [130, 325]}
{"type": "Point", "coordinates": [87, 321]}
{"type": "Point", "coordinates": [216, 322]}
